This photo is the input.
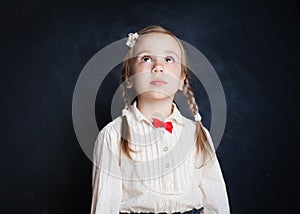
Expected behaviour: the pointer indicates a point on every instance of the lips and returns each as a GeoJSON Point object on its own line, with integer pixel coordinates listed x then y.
{"type": "Point", "coordinates": [158, 82]}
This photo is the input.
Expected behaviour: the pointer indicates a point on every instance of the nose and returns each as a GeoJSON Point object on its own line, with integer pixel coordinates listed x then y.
{"type": "Point", "coordinates": [157, 66]}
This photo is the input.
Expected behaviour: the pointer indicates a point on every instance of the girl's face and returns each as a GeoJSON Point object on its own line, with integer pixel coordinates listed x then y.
{"type": "Point", "coordinates": [156, 72]}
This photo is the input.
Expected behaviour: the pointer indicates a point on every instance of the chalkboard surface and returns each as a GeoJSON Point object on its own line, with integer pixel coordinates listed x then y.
{"type": "Point", "coordinates": [252, 45]}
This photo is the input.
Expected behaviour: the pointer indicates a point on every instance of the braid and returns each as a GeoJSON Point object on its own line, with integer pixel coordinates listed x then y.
{"type": "Point", "coordinates": [125, 131]}
{"type": "Point", "coordinates": [125, 137]}
{"type": "Point", "coordinates": [191, 99]}
{"type": "Point", "coordinates": [202, 144]}
{"type": "Point", "coordinates": [125, 98]}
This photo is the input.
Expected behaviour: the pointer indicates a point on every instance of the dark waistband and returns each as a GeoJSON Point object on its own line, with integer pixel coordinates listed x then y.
{"type": "Point", "coordinates": [193, 211]}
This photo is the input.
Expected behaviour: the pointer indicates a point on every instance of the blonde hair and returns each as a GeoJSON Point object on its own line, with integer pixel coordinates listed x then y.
{"type": "Point", "coordinates": [202, 144]}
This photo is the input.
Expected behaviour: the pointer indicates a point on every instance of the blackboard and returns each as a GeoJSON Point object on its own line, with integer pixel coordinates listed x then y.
{"type": "Point", "coordinates": [252, 45]}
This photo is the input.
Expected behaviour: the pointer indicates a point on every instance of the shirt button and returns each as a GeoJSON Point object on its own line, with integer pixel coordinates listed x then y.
{"type": "Point", "coordinates": [165, 148]}
{"type": "Point", "coordinates": [167, 165]}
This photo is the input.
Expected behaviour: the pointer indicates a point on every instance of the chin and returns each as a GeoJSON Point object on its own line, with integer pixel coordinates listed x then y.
{"type": "Point", "coordinates": [156, 95]}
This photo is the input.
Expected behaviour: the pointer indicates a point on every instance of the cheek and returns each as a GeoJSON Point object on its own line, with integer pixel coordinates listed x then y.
{"type": "Point", "coordinates": [140, 79]}
{"type": "Point", "coordinates": [138, 68]}
{"type": "Point", "coordinates": [140, 82]}
{"type": "Point", "coordinates": [175, 71]}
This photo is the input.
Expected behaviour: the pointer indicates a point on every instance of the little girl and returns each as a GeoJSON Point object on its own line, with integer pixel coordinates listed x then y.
{"type": "Point", "coordinates": [152, 159]}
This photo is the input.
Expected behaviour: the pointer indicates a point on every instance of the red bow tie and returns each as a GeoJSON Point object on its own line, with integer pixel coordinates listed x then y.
{"type": "Point", "coordinates": [158, 123]}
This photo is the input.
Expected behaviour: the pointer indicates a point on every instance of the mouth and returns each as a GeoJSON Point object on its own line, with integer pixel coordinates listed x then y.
{"type": "Point", "coordinates": [158, 82]}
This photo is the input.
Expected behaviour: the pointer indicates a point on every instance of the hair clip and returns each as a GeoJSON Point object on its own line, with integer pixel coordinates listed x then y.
{"type": "Point", "coordinates": [197, 117]}
{"type": "Point", "coordinates": [132, 37]}
{"type": "Point", "coordinates": [124, 112]}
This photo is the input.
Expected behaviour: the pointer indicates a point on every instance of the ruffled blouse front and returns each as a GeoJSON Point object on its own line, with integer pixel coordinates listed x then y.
{"type": "Point", "coordinates": [164, 173]}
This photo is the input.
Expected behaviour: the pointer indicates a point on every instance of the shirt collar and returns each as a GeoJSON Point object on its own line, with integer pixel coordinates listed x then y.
{"type": "Point", "coordinates": [138, 116]}
{"type": "Point", "coordinates": [176, 115]}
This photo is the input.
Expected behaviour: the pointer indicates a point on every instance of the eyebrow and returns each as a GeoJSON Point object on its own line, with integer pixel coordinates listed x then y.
{"type": "Point", "coordinates": [172, 52]}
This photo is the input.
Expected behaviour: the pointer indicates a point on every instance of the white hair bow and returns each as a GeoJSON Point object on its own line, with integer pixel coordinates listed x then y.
{"type": "Point", "coordinates": [197, 117]}
{"type": "Point", "coordinates": [132, 37]}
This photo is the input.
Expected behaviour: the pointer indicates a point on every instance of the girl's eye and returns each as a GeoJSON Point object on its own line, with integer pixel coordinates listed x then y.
{"type": "Point", "coordinates": [169, 59]}
{"type": "Point", "coordinates": [146, 59]}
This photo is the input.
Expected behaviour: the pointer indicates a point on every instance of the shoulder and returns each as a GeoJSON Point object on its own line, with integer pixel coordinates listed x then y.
{"type": "Point", "coordinates": [192, 124]}
{"type": "Point", "coordinates": [189, 124]}
{"type": "Point", "coordinates": [112, 127]}
{"type": "Point", "coordinates": [110, 133]}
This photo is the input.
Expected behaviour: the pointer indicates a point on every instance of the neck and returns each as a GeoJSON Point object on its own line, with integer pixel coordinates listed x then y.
{"type": "Point", "coordinates": [153, 107]}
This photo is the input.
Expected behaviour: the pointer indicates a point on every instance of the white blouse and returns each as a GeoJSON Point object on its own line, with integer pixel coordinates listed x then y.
{"type": "Point", "coordinates": [164, 175]}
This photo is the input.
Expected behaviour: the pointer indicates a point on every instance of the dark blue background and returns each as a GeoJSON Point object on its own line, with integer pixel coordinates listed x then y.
{"type": "Point", "coordinates": [253, 46]}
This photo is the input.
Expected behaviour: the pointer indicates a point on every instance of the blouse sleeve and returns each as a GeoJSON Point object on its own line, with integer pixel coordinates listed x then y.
{"type": "Point", "coordinates": [212, 185]}
{"type": "Point", "coordinates": [106, 179]}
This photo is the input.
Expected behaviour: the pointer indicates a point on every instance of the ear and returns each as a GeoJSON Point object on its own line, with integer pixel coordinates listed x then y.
{"type": "Point", "coordinates": [181, 82]}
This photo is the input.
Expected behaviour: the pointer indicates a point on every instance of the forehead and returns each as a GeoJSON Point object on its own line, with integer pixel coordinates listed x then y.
{"type": "Point", "coordinates": [156, 43]}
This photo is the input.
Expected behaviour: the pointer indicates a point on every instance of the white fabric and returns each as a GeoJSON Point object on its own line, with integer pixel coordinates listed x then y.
{"type": "Point", "coordinates": [163, 177]}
